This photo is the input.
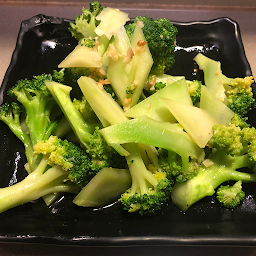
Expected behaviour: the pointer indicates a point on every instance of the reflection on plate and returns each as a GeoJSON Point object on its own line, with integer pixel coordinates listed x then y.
{"type": "Point", "coordinates": [42, 44]}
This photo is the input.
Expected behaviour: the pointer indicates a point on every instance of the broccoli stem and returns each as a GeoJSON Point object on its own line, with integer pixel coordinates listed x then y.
{"type": "Point", "coordinates": [37, 184]}
{"type": "Point", "coordinates": [208, 179]}
{"type": "Point", "coordinates": [82, 129]}
{"type": "Point", "coordinates": [141, 177]}
{"type": "Point", "coordinates": [105, 107]}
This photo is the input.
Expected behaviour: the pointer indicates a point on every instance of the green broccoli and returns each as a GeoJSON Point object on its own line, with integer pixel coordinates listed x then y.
{"type": "Point", "coordinates": [100, 23]}
{"type": "Point", "coordinates": [86, 132]}
{"type": "Point", "coordinates": [143, 198]}
{"type": "Point", "coordinates": [194, 88]}
{"type": "Point", "coordinates": [160, 35]}
{"type": "Point", "coordinates": [64, 167]}
{"type": "Point", "coordinates": [230, 196]}
{"type": "Point", "coordinates": [171, 163]}
{"type": "Point", "coordinates": [232, 148]}
{"type": "Point", "coordinates": [150, 190]}
{"type": "Point", "coordinates": [69, 156]}
{"type": "Point", "coordinates": [85, 109]}
{"type": "Point", "coordinates": [236, 93]}
{"type": "Point", "coordinates": [10, 114]}
{"type": "Point", "coordinates": [38, 103]}
{"type": "Point", "coordinates": [85, 24]}
{"type": "Point", "coordinates": [239, 95]}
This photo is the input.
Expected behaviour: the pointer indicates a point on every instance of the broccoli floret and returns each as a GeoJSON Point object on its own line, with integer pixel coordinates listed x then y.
{"type": "Point", "coordinates": [232, 148]}
{"type": "Point", "coordinates": [239, 121]}
{"type": "Point", "coordinates": [69, 156]}
{"type": "Point", "coordinates": [194, 88]}
{"type": "Point", "coordinates": [10, 114]}
{"type": "Point", "coordinates": [223, 168]}
{"type": "Point", "coordinates": [159, 86]}
{"type": "Point", "coordinates": [62, 162]}
{"type": "Point", "coordinates": [228, 138]}
{"type": "Point", "coordinates": [230, 196]}
{"type": "Point", "coordinates": [171, 163]}
{"type": "Point", "coordinates": [38, 103]}
{"type": "Point", "coordinates": [85, 109]}
{"type": "Point", "coordinates": [102, 155]}
{"type": "Point", "coordinates": [149, 190]}
{"type": "Point", "coordinates": [160, 35]}
{"type": "Point", "coordinates": [85, 24]}
{"type": "Point", "coordinates": [236, 93]}
{"type": "Point", "coordinates": [239, 95]}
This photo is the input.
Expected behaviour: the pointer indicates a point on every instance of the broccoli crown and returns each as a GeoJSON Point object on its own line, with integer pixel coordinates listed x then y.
{"type": "Point", "coordinates": [86, 23]}
{"type": "Point", "coordinates": [228, 138]}
{"type": "Point", "coordinates": [71, 157]}
{"type": "Point", "coordinates": [171, 163]}
{"type": "Point", "coordinates": [88, 42]}
{"type": "Point", "coordinates": [230, 196]}
{"type": "Point", "coordinates": [234, 140]}
{"type": "Point", "coordinates": [159, 85]}
{"type": "Point", "coordinates": [194, 89]}
{"type": "Point", "coordinates": [10, 113]}
{"type": "Point", "coordinates": [241, 103]}
{"type": "Point", "coordinates": [85, 109]}
{"type": "Point", "coordinates": [160, 35]}
{"type": "Point", "coordinates": [151, 201]}
{"type": "Point", "coordinates": [102, 154]}
{"type": "Point", "coordinates": [237, 120]}
{"type": "Point", "coordinates": [150, 187]}
{"type": "Point", "coordinates": [239, 95]}
{"type": "Point", "coordinates": [31, 87]}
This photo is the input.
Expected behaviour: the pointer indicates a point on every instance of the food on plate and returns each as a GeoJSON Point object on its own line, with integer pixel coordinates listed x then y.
{"type": "Point", "coordinates": [112, 124]}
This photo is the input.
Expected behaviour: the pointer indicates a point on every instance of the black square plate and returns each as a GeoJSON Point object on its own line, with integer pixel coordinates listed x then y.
{"type": "Point", "coordinates": [41, 45]}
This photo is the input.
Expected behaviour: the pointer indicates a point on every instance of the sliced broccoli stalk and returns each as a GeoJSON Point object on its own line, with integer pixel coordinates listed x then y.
{"type": "Point", "coordinates": [135, 68]}
{"type": "Point", "coordinates": [196, 122]}
{"type": "Point", "coordinates": [104, 106]}
{"type": "Point", "coordinates": [82, 129]}
{"type": "Point", "coordinates": [214, 106]}
{"type": "Point", "coordinates": [82, 56]}
{"type": "Point", "coordinates": [230, 196]}
{"type": "Point", "coordinates": [121, 67]}
{"type": "Point", "coordinates": [213, 76]}
{"type": "Point", "coordinates": [208, 179]}
{"type": "Point", "coordinates": [158, 134]}
{"type": "Point", "coordinates": [155, 108]}
{"type": "Point", "coordinates": [105, 187]}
